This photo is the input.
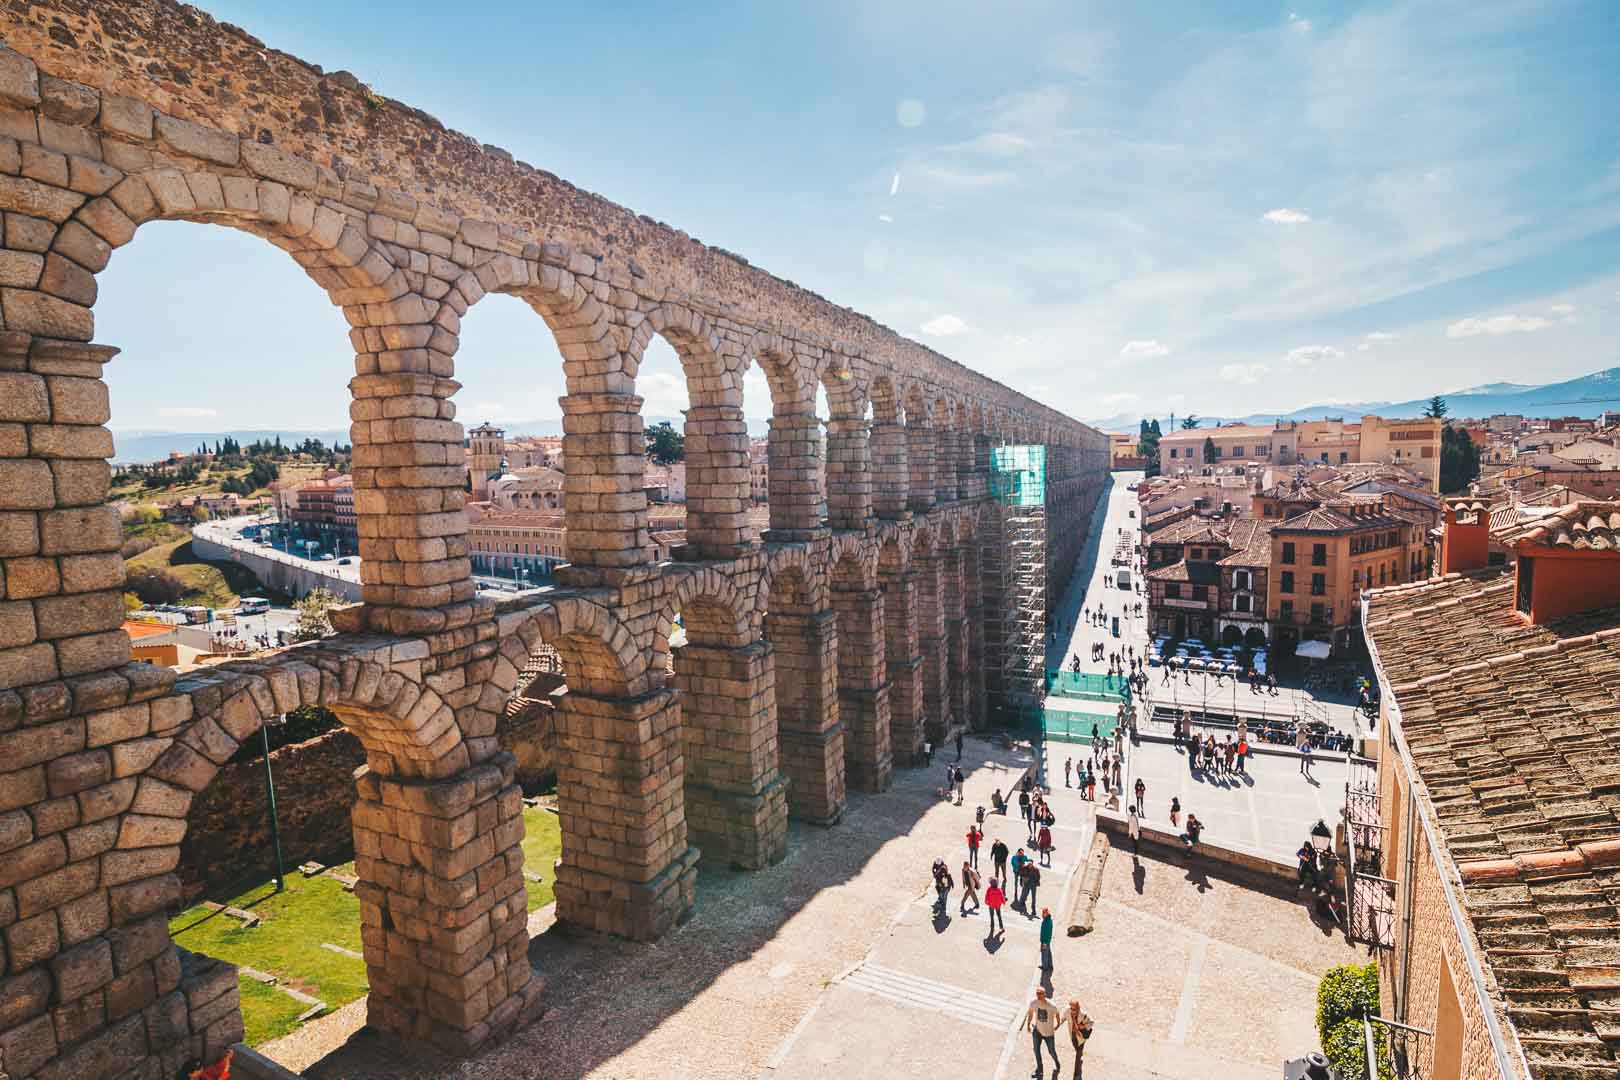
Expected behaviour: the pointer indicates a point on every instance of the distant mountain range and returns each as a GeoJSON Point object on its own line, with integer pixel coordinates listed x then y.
{"type": "Point", "coordinates": [1587, 395]}
{"type": "Point", "coordinates": [143, 446]}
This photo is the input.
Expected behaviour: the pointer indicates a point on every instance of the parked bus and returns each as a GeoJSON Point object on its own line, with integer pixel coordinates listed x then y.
{"type": "Point", "coordinates": [198, 614]}
{"type": "Point", "coordinates": [253, 605]}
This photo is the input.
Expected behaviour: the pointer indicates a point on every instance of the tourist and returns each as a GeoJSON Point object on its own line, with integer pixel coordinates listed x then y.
{"type": "Point", "coordinates": [1032, 885]}
{"type": "Point", "coordinates": [993, 899]}
{"type": "Point", "coordinates": [1042, 1020]}
{"type": "Point", "coordinates": [1175, 812]}
{"type": "Point", "coordinates": [998, 858]}
{"type": "Point", "coordinates": [942, 885]}
{"type": "Point", "coordinates": [1302, 743]}
{"type": "Point", "coordinates": [1242, 754]}
{"type": "Point", "coordinates": [928, 751]}
{"type": "Point", "coordinates": [1194, 827]}
{"type": "Point", "coordinates": [1141, 795]}
{"type": "Point", "coordinates": [1046, 939]}
{"type": "Point", "coordinates": [1068, 767]}
{"type": "Point", "coordinates": [1043, 844]}
{"type": "Point", "coordinates": [1133, 826]}
{"type": "Point", "coordinates": [1018, 862]}
{"type": "Point", "coordinates": [970, 888]}
{"type": "Point", "coordinates": [973, 838]}
{"type": "Point", "coordinates": [1091, 786]}
{"type": "Point", "coordinates": [1080, 1028]}
{"type": "Point", "coordinates": [958, 747]}
{"type": "Point", "coordinates": [1118, 785]}
{"type": "Point", "coordinates": [959, 781]}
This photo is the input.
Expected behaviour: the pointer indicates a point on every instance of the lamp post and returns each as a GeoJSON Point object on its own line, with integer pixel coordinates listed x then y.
{"type": "Point", "coordinates": [1321, 837]}
{"type": "Point", "coordinates": [270, 796]}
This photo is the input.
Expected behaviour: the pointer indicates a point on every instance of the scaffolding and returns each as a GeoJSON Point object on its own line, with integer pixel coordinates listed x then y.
{"type": "Point", "coordinates": [1015, 587]}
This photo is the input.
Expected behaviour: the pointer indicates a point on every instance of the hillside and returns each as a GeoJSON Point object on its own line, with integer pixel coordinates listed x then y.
{"type": "Point", "coordinates": [160, 548]}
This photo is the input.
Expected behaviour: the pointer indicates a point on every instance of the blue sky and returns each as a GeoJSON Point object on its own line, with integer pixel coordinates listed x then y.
{"type": "Point", "coordinates": [1112, 207]}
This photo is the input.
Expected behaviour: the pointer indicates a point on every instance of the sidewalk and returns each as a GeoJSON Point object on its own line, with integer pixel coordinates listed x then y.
{"type": "Point", "coordinates": [938, 997]}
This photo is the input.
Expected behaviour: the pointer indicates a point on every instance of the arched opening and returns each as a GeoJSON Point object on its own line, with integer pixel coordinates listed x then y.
{"type": "Point", "coordinates": [238, 483]}
{"type": "Point", "coordinates": [1231, 635]}
{"type": "Point", "coordinates": [1254, 637]}
{"type": "Point", "coordinates": [901, 657]}
{"type": "Point", "coordinates": [891, 470]}
{"type": "Point", "coordinates": [863, 694]}
{"type": "Point", "coordinates": [623, 865]}
{"type": "Point", "coordinates": [735, 795]}
{"type": "Point", "coordinates": [513, 459]}
{"type": "Point", "coordinates": [927, 560]}
{"type": "Point", "coordinates": [803, 635]}
{"type": "Point", "coordinates": [793, 452]}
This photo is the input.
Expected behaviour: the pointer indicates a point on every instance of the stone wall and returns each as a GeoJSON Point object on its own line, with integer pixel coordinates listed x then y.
{"type": "Point", "coordinates": [228, 830]}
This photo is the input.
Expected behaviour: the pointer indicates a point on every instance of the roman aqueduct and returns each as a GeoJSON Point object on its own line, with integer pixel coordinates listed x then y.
{"type": "Point", "coordinates": [818, 655]}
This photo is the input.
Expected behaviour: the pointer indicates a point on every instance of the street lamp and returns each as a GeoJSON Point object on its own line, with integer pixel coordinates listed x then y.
{"type": "Point", "coordinates": [270, 796]}
{"type": "Point", "coordinates": [1321, 837]}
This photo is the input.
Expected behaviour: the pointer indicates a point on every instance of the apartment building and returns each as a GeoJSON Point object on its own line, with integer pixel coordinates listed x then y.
{"type": "Point", "coordinates": [1412, 444]}
{"type": "Point", "coordinates": [1322, 560]}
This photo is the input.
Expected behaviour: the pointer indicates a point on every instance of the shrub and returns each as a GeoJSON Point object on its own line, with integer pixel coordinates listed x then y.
{"type": "Point", "coordinates": [1346, 994]}
{"type": "Point", "coordinates": [155, 586]}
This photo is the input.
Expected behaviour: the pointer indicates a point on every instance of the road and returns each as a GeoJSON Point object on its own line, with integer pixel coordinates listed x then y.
{"type": "Point", "coordinates": [228, 532]}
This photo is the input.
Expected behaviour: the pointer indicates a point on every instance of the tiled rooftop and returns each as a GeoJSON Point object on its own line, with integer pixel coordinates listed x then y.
{"type": "Point", "coordinates": [1515, 732]}
{"type": "Point", "coordinates": [1586, 525]}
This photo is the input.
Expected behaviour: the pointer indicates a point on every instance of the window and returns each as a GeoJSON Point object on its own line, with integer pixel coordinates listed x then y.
{"type": "Point", "coordinates": [1200, 592]}
{"type": "Point", "coordinates": [1288, 553]}
{"type": "Point", "coordinates": [1318, 613]}
{"type": "Point", "coordinates": [1243, 604]}
{"type": "Point", "coordinates": [1383, 573]}
{"type": "Point", "coordinates": [1173, 591]}
{"type": "Point", "coordinates": [1172, 451]}
{"type": "Point", "coordinates": [1242, 579]}
{"type": "Point", "coordinates": [1355, 578]}
{"type": "Point", "coordinates": [1195, 554]}
{"type": "Point", "coordinates": [1526, 583]}
{"type": "Point", "coordinates": [1318, 584]}
{"type": "Point", "coordinates": [1285, 609]}
{"type": "Point", "coordinates": [1287, 581]}
{"type": "Point", "coordinates": [1318, 554]}
{"type": "Point", "coordinates": [1343, 457]}
{"type": "Point", "coordinates": [1237, 451]}
{"type": "Point", "coordinates": [1271, 511]}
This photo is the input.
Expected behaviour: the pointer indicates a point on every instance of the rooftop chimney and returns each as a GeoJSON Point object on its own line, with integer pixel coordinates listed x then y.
{"type": "Point", "coordinates": [1465, 544]}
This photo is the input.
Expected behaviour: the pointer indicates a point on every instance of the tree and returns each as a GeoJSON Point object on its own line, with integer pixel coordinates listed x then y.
{"type": "Point", "coordinates": [665, 445]}
{"type": "Point", "coordinates": [1436, 408]}
{"type": "Point", "coordinates": [1345, 995]}
{"type": "Point", "coordinates": [145, 514]}
{"type": "Point", "coordinates": [1189, 422]}
{"type": "Point", "coordinates": [200, 513]}
{"type": "Point", "coordinates": [314, 615]}
{"type": "Point", "coordinates": [1459, 459]}
{"type": "Point", "coordinates": [1211, 453]}
{"type": "Point", "coordinates": [155, 586]}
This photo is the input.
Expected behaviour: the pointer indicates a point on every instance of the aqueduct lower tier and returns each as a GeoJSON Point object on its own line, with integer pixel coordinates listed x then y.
{"type": "Point", "coordinates": [818, 656]}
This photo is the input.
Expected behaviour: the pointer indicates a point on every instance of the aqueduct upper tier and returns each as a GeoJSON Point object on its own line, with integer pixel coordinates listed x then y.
{"type": "Point", "coordinates": [818, 655]}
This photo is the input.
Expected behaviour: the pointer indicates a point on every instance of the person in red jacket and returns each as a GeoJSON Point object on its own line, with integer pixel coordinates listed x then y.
{"type": "Point", "coordinates": [993, 899]}
{"type": "Point", "coordinates": [1044, 842]}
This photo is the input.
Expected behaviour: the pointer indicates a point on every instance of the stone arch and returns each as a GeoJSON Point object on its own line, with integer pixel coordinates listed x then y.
{"type": "Point", "coordinates": [885, 400]}
{"type": "Point", "coordinates": [619, 761]}
{"type": "Point", "coordinates": [714, 612]}
{"type": "Point", "coordinates": [863, 692]}
{"type": "Point", "coordinates": [802, 632]}
{"type": "Point", "coordinates": [709, 381]}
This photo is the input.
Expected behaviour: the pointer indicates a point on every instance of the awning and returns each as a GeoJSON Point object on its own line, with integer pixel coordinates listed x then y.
{"type": "Point", "coordinates": [1314, 650]}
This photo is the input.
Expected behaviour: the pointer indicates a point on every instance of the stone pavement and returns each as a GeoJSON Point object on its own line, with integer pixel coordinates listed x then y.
{"type": "Point", "coordinates": [1268, 812]}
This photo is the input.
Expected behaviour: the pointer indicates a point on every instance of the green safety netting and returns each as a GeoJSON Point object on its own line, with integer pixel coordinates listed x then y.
{"type": "Point", "coordinates": [1018, 475]}
{"type": "Point", "coordinates": [1087, 685]}
{"type": "Point", "coordinates": [1060, 726]}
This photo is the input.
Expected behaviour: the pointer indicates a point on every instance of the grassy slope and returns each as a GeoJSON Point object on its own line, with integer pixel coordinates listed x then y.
{"type": "Point", "coordinates": [215, 584]}
{"type": "Point", "coordinates": [287, 943]}
{"type": "Point", "coordinates": [207, 484]}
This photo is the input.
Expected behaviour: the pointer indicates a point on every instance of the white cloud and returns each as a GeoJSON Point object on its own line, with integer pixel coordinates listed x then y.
{"type": "Point", "coordinates": [944, 326]}
{"type": "Point", "coordinates": [1378, 336]}
{"type": "Point", "coordinates": [1496, 325]}
{"type": "Point", "coordinates": [911, 113]}
{"type": "Point", "coordinates": [187, 411]}
{"type": "Point", "coordinates": [1001, 143]}
{"type": "Point", "coordinates": [1018, 340]}
{"type": "Point", "coordinates": [1562, 310]}
{"type": "Point", "coordinates": [1114, 401]}
{"type": "Point", "coordinates": [489, 409]}
{"type": "Point", "coordinates": [949, 178]}
{"type": "Point", "coordinates": [1284, 216]}
{"type": "Point", "coordinates": [1246, 374]}
{"type": "Point", "coordinates": [1299, 24]}
{"type": "Point", "coordinates": [1150, 347]}
{"type": "Point", "coordinates": [1307, 355]}
{"type": "Point", "coordinates": [663, 393]}
{"type": "Point", "coordinates": [894, 185]}
{"type": "Point", "coordinates": [887, 219]}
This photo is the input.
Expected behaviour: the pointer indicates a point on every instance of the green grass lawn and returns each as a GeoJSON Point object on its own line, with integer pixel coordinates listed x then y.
{"type": "Point", "coordinates": [294, 924]}
{"type": "Point", "coordinates": [542, 844]}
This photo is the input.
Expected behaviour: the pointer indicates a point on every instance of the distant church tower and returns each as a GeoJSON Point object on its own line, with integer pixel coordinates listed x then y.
{"type": "Point", "coordinates": [488, 444]}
